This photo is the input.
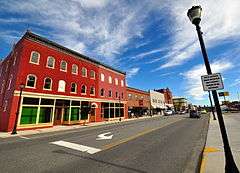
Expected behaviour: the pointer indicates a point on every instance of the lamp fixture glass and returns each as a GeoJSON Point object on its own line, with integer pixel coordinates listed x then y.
{"type": "Point", "coordinates": [194, 14]}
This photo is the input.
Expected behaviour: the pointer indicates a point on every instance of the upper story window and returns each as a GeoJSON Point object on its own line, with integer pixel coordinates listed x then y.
{"type": "Point", "coordinates": [2, 87]}
{"type": "Point", "coordinates": [50, 62]}
{"type": "Point", "coordinates": [47, 83]}
{"type": "Point", "coordinates": [92, 74]}
{"type": "Point", "coordinates": [63, 66]}
{"type": "Point", "coordinates": [92, 90]}
{"type": "Point", "coordinates": [61, 86]}
{"type": "Point", "coordinates": [109, 79]}
{"type": "Point", "coordinates": [15, 58]}
{"type": "Point", "coordinates": [84, 72]}
{"type": "Point", "coordinates": [122, 83]}
{"type": "Point", "coordinates": [116, 81]}
{"type": "Point", "coordinates": [122, 95]}
{"type": "Point", "coordinates": [102, 92]}
{"type": "Point", "coordinates": [83, 89]}
{"type": "Point", "coordinates": [73, 88]}
{"type": "Point", "coordinates": [129, 95]}
{"type": "Point", "coordinates": [10, 82]}
{"type": "Point", "coordinates": [102, 77]}
{"type": "Point", "coordinates": [31, 81]}
{"type": "Point", "coordinates": [110, 93]}
{"type": "Point", "coordinates": [116, 94]}
{"type": "Point", "coordinates": [35, 57]}
{"type": "Point", "coordinates": [74, 69]}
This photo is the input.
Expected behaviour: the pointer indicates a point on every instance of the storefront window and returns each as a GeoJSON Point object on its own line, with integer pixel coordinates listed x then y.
{"type": "Point", "coordinates": [75, 114]}
{"type": "Point", "coordinates": [66, 114]}
{"type": "Point", "coordinates": [45, 115]}
{"type": "Point", "coordinates": [29, 115]}
{"type": "Point", "coordinates": [85, 108]}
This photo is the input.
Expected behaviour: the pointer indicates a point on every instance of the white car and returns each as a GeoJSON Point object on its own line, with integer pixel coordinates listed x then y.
{"type": "Point", "coordinates": [168, 112]}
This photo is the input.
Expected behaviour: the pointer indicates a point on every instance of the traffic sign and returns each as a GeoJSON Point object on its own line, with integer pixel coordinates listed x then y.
{"type": "Point", "coordinates": [222, 94]}
{"type": "Point", "coordinates": [212, 82]}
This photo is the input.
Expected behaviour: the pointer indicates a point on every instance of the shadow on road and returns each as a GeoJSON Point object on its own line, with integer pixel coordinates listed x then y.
{"type": "Point", "coordinates": [99, 161]}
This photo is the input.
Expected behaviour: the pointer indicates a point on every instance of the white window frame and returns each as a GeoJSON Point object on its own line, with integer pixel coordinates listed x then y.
{"type": "Point", "coordinates": [93, 91]}
{"type": "Point", "coordinates": [102, 76]}
{"type": "Point", "coordinates": [109, 92]}
{"type": "Point", "coordinates": [44, 83]}
{"type": "Point", "coordinates": [75, 88]}
{"type": "Point", "coordinates": [30, 61]}
{"type": "Point", "coordinates": [61, 66]}
{"type": "Point", "coordinates": [85, 90]}
{"type": "Point", "coordinates": [5, 106]}
{"type": "Point", "coordinates": [122, 83]}
{"type": "Point", "coordinates": [64, 85]}
{"type": "Point", "coordinates": [84, 68]}
{"type": "Point", "coordinates": [34, 82]}
{"type": "Point", "coordinates": [2, 87]}
{"type": "Point", "coordinates": [101, 92]}
{"type": "Point", "coordinates": [116, 81]}
{"type": "Point", "coordinates": [110, 79]}
{"type": "Point", "coordinates": [53, 62]}
{"type": "Point", "coordinates": [15, 58]}
{"type": "Point", "coordinates": [76, 73]}
{"type": "Point", "coordinates": [94, 76]}
{"type": "Point", "coordinates": [10, 82]}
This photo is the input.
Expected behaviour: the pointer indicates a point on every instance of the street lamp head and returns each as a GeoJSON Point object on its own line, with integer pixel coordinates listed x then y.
{"type": "Point", "coordinates": [194, 14]}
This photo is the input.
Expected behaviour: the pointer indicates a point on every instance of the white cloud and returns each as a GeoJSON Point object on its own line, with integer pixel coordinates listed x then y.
{"type": "Point", "coordinates": [93, 3]}
{"type": "Point", "coordinates": [143, 54]}
{"type": "Point", "coordinates": [132, 72]}
{"type": "Point", "coordinates": [193, 77]}
{"type": "Point", "coordinates": [219, 22]}
{"type": "Point", "coordinates": [235, 83]}
{"type": "Point", "coordinates": [99, 27]}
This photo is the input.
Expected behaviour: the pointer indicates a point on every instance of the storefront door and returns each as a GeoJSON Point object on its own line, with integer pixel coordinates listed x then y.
{"type": "Point", "coordinates": [58, 116]}
{"type": "Point", "coordinates": [92, 115]}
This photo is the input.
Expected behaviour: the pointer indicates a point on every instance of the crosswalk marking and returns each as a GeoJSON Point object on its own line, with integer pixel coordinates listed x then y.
{"type": "Point", "coordinates": [77, 147]}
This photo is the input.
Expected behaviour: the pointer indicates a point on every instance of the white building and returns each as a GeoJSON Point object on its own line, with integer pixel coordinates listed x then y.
{"type": "Point", "coordinates": [157, 102]}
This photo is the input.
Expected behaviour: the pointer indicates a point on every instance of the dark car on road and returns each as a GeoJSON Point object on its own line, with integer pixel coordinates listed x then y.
{"type": "Point", "coordinates": [194, 114]}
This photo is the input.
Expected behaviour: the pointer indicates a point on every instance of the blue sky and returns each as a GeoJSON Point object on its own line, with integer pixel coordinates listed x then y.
{"type": "Point", "coordinates": [152, 40]}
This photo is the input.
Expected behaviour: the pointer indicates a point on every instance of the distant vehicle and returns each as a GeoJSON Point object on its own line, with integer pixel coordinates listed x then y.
{"type": "Point", "coordinates": [182, 112]}
{"type": "Point", "coordinates": [203, 111]}
{"type": "Point", "coordinates": [194, 114]}
{"type": "Point", "coordinates": [168, 112]}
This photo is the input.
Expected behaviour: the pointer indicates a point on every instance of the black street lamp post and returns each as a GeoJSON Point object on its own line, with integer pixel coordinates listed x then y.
{"type": "Point", "coordinates": [22, 86]}
{"type": "Point", "coordinates": [119, 110]}
{"type": "Point", "coordinates": [212, 108]}
{"type": "Point", "coordinates": [194, 15]}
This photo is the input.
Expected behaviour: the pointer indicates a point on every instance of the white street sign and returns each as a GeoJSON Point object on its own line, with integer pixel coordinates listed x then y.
{"type": "Point", "coordinates": [212, 82]}
{"type": "Point", "coordinates": [103, 136]}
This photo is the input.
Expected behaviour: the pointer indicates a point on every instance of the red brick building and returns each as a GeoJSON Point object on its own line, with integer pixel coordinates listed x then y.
{"type": "Point", "coordinates": [167, 96]}
{"type": "Point", "coordinates": [61, 86]}
{"type": "Point", "coordinates": [138, 102]}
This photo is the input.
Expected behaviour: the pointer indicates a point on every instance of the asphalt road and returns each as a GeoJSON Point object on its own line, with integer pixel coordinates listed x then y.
{"type": "Point", "coordinates": [158, 144]}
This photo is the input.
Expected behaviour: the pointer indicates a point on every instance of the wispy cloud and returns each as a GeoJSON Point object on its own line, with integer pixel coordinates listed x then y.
{"type": "Point", "coordinates": [193, 77]}
{"type": "Point", "coordinates": [218, 24]}
{"type": "Point", "coordinates": [89, 25]}
{"type": "Point", "coordinates": [166, 74]}
{"type": "Point", "coordinates": [132, 72]}
{"type": "Point", "coordinates": [235, 83]}
{"type": "Point", "coordinates": [144, 54]}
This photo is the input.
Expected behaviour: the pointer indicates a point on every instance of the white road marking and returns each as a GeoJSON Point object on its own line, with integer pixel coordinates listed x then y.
{"type": "Point", "coordinates": [24, 137]}
{"type": "Point", "coordinates": [102, 136]}
{"type": "Point", "coordinates": [77, 147]}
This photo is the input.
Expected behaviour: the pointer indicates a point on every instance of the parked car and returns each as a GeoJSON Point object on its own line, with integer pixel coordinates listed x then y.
{"type": "Point", "coordinates": [203, 111]}
{"type": "Point", "coordinates": [168, 112]}
{"type": "Point", "coordinates": [194, 114]}
{"type": "Point", "coordinates": [182, 112]}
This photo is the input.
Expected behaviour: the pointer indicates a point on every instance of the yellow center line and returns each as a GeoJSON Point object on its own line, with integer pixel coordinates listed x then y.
{"type": "Point", "coordinates": [108, 146]}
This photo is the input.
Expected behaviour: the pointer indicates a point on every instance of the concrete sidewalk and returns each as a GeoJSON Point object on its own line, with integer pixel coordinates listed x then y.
{"type": "Point", "coordinates": [65, 128]}
{"type": "Point", "coordinates": [213, 156]}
